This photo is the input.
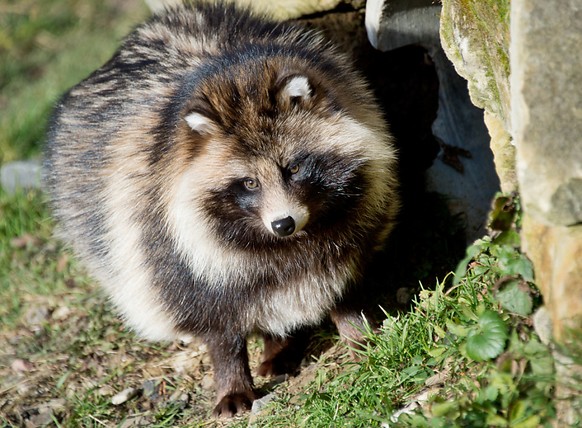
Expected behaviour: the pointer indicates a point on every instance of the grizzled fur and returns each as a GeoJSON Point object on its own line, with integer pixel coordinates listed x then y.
{"type": "Point", "coordinates": [223, 175]}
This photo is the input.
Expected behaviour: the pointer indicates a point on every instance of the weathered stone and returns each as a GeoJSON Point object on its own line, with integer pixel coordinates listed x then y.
{"type": "Point", "coordinates": [464, 170]}
{"type": "Point", "coordinates": [547, 108]}
{"type": "Point", "coordinates": [556, 253]}
{"type": "Point", "coordinates": [123, 396]}
{"type": "Point", "coordinates": [543, 325]}
{"type": "Point", "coordinates": [504, 152]}
{"type": "Point", "coordinates": [475, 36]}
{"type": "Point", "coordinates": [547, 125]}
{"type": "Point", "coordinates": [258, 407]}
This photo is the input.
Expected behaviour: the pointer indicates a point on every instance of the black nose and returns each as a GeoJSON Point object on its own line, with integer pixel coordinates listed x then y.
{"type": "Point", "coordinates": [283, 227]}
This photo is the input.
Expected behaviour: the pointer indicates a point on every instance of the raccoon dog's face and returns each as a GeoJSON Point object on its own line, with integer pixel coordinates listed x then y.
{"type": "Point", "coordinates": [275, 155]}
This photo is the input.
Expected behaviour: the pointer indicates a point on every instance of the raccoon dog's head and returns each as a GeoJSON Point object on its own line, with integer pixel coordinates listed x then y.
{"type": "Point", "coordinates": [279, 151]}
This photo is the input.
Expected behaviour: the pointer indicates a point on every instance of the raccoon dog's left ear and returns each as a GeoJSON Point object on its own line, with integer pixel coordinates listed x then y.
{"type": "Point", "coordinates": [199, 123]}
{"type": "Point", "coordinates": [297, 86]}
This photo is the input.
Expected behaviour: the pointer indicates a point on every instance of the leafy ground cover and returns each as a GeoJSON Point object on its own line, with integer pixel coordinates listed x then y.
{"type": "Point", "coordinates": [462, 354]}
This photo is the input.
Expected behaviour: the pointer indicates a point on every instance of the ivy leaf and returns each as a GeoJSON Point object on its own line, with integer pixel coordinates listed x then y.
{"type": "Point", "coordinates": [462, 267]}
{"type": "Point", "coordinates": [519, 265]}
{"type": "Point", "coordinates": [487, 339]}
{"type": "Point", "coordinates": [514, 297]}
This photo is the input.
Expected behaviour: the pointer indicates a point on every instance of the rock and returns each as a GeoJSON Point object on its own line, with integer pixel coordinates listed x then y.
{"type": "Point", "coordinates": [415, 404]}
{"type": "Point", "coordinates": [557, 256]}
{"type": "Point", "coordinates": [136, 421]}
{"type": "Point", "coordinates": [547, 124]}
{"type": "Point", "coordinates": [475, 37]}
{"type": "Point", "coordinates": [21, 366]}
{"type": "Point", "coordinates": [258, 406]}
{"type": "Point", "coordinates": [123, 396]}
{"type": "Point", "coordinates": [556, 253]}
{"type": "Point", "coordinates": [185, 361]}
{"type": "Point", "coordinates": [21, 175]}
{"type": "Point", "coordinates": [45, 413]}
{"type": "Point", "coordinates": [468, 183]}
{"type": "Point", "coordinates": [543, 325]}
{"type": "Point", "coordinates": [36, 316]}
{"type": "Point", "coordinates": [61, 313]}
{"type": "Point", "coordinates": [207, 382]}
{"type": "Point", "coordinates": [180, 398]}
{"type": "Point", "coordinates": [538, 104]}
{"type": "Point", "coordinates": [568, 398]}
{"type": "Point", "coordinates": [40, 420]}
{"type": "Point", "coordinates": [547, 108]}
{"type": "Point", "coordinates": [105, 391]}
{"type": "Point", "coordinates": [503, 152]}
{"type": "Point", "coordinates": [150, 389]}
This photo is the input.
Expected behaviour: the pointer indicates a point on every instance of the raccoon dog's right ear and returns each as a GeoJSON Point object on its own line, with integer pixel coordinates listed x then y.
{"type": "Point", "coordinates": [199, 123]}
{"type": "Point", "coordinates": [297, 87]}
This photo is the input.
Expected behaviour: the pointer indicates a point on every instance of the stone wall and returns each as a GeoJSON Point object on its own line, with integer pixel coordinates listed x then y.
{"type": "Point", "coordinates": [546, 95]}
{"type": "Point", "coordinates": [546, 115]}
{"type": "Point", "coordinates": [539, 111]}
{"type": "Point", "coordinates": [522, 64]}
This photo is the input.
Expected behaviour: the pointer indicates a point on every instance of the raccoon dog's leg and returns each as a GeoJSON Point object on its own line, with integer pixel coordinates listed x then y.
{"type": "Point", "coordinates": [351, 326]}
{"type": "Point", "coordinates": [232, 375]}
{"type": "Point", "coordinates": [283, 355]}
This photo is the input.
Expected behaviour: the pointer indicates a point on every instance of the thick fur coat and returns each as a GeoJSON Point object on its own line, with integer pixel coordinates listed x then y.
{"type": "Point", "coordinates": [223, 175]}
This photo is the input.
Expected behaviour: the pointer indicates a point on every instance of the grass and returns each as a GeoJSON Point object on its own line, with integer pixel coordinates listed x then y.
{"type": "Point", "coordinates": [26, 257]}
{"type": "Point", "coordinates": [64, 354]}
{"type": "Point", "coordinates": [46, 47]}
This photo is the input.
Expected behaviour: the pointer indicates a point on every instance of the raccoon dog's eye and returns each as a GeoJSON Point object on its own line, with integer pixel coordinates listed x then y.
{"type": "Point", "coordinates": [294, 169]}
{"type": "Point", "coordinates": [251, 184]}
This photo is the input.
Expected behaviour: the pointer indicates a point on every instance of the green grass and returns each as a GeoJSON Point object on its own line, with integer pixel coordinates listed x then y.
{"type": "Point", "coordinates": [27, 252]}
{"type": "Point", "coordinates": [45, 48]}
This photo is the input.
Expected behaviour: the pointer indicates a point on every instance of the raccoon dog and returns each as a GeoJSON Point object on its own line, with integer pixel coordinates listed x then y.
{"type": "Point", "coordinates": [224, 175]}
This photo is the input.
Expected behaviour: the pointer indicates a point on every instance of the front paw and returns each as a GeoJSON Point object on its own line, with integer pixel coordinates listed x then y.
{"type": "Point", "coordinates": [233, 404]}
